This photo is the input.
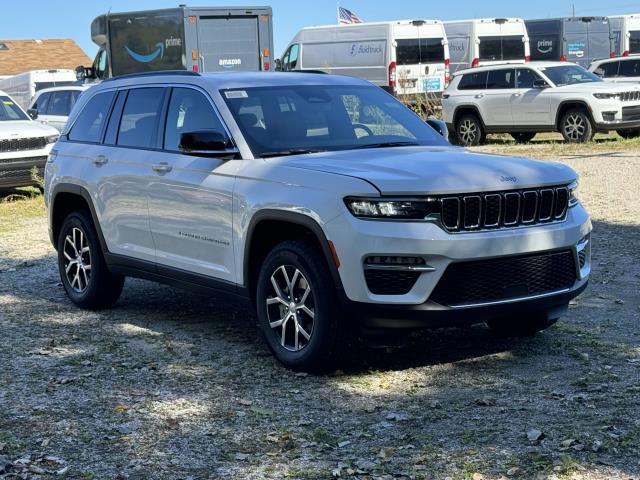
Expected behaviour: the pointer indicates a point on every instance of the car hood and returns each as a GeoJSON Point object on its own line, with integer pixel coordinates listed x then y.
{"type": "Point", "coordinates": [595, 87]}
{"type": "Point", "coordinates": [25, 129]}
{"type": "Point", "coordinates": [433, 170]}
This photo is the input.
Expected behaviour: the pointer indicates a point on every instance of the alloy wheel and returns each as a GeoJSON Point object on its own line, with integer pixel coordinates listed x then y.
{"type": "Point", "coordinates": [77, 260]}
{"type": "Point", "coordinates": [575, 127]}
{"type": "Point", "coordinates": [467, 131]}
{"type": "Point", "coordinates": [291, 308]}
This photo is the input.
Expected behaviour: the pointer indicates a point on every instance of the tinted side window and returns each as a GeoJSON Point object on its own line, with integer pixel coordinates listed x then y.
{"type": "Point", "coordinates": [88, 125]}
{"type": "Point", "coordinates": [634, 41]}
{"type": "Point", "coordinates": [526, 77]}
{"type": "Point", "coordinates": [60, 102]}
{"type": "Point", "coordinates": [42, 103]}
{"type": "Point", "coordinates": [501, 79]}
{"type": "Point", "coordinates": [139, 122]}
{"type": "Point", "coordinates": [630, 68]}
{"type": "Point", "coordinates": [189, 111]}
{"type": "Point", "coordinates": [607, 70]}
{"type": "Point", "coordinates": [473, 81]}
{"type": "Point", "coordinates": [293, 56]}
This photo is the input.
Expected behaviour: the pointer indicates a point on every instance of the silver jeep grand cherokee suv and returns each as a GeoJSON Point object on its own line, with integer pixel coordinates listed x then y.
{"type": "Point", "coordinates": [320, 198]}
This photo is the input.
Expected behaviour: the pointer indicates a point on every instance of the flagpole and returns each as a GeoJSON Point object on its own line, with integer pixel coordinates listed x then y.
{"type": "Point", "coordinates": [338, 11]}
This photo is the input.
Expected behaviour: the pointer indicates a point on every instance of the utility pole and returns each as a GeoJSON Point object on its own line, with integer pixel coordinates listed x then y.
{"type": "Point", "coordinates": [573, 7]}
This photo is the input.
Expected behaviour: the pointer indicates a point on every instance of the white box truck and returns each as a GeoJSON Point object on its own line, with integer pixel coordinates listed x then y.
{"type": "Point", "coordinates": [625, 33]}
{"type": "Point", "coordinates": [486, 41]}
{"type": "Point", "coordinates": [23, 87]}
{"type": "Point", "coordinates": [202, 39]}
{"type": "Point", "coordinates": [404, 56]}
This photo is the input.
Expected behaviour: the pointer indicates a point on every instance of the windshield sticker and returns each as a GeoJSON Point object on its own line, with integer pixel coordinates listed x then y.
{"type": "Point", "coordinates": [7, 102]}
{"type": "Point", "coordinates": [236, 94]}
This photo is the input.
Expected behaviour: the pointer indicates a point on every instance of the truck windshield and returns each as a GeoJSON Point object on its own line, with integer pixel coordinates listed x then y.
{"type": "Point", "coordinates": [412, 51]}
{"type": "Point", "coordinates": [569, 75]}
{"type": "Point", "coordinates": [10, 111]}
{"type": "Point", "coordinates": [290, 120]}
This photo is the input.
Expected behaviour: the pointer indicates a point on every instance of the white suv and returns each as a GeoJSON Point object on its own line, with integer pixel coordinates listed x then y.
{"type": "Point", "coordinates": [538, 97]}
{"type": "Point", "coordinates": [24, 145]}
{"type": "Point", "coordinates": [320, 198]}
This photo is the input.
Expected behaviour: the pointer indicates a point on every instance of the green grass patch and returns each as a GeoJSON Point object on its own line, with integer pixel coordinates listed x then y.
{"type": "Point", "coordinates": [18, 207]}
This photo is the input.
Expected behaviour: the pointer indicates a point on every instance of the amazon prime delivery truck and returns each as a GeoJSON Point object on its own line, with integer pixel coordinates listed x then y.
{"type": "Point", "coordinates": [199, 39]}
{"type": "Point", "coordinates": [574, 39]}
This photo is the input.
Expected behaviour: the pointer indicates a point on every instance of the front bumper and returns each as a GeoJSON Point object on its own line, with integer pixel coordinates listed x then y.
{"type": "Point", "coordinates": [355, 240]}
{"type": "Point", "coordinates": [16, 167]}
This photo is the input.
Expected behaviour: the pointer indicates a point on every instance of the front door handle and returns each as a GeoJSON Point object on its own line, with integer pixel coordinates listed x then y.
{"type": "Point", "coordinates": [162, 167]}
{"type": "Point", "coordinates": [100, 160]}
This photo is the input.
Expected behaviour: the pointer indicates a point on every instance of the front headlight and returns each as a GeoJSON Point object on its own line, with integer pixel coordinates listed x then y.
{"type": "Point", "coordinates": [52, 139]}
{"type": "Point", "coordinates": [394, 209]}
{"type": "Point", "coordinates": [607, 96]}
{"type": "Point", "coordinates": [573, 189]}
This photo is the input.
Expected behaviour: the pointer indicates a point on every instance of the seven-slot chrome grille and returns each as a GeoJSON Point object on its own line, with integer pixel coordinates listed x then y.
{"type": "Point", "coordinates": [630, 96]}
{"type": "Point", "coordinates": [19, 144]}
{"type": "Point", "coordinates": [481, 211]}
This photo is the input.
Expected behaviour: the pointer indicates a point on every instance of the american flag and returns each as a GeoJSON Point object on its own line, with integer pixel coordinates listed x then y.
{"type": "Point", "coordinates": [346, 17]}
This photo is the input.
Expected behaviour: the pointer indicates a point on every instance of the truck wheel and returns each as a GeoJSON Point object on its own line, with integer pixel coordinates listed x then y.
{"type": "Point", "coordinates": [469, 131]}
{"type": "Point", "coordinates": [297, 310]}
{"type": "Point", "coordinates": [521, 326]}
{"type": "Point", "coordinates": [576, 126]}
{"type": "Point", "coordinates": [83, 271]}
{"type": "Point", "coordinates": [523, 137]}
{"type": "Point", "coordinates": [633, 133]}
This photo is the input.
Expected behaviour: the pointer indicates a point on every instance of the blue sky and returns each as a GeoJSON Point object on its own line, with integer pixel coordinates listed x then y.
{"type": "Point", "coordinates": [72, 18]}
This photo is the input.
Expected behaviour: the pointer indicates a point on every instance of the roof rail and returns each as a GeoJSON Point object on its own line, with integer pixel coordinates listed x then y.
{"type": "Point", "coordinates": [186, 73]}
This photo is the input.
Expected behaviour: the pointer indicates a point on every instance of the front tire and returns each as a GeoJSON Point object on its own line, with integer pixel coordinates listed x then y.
{"type": "Point", "coordinates": [627, 134]}
{"type": "Point", "coordinates": [521, 326]}
{"type": "Point", "coordinates": [83, 271]}
{"type": "Point", "coordinates": [469, 131]}
{"type": "Point", "coordinates": [297, 307]}
{"type": "Point", "coordinates": [523, 137]}
{"type": "Point", "coordinates": [576, 126]}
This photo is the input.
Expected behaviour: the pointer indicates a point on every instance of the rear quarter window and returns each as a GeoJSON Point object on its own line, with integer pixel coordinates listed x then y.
{"type": "Point", "coordinates": [90, 122]}
{"type": "Point", "coordinates": [607, 70]}
{"type": "Point", "coordinates": [630, 68]}
{"type": "Point", "coordinates": [473, 81]}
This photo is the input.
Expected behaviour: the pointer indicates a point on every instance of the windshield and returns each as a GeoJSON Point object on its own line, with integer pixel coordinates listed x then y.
{"type": "Point", "coordinates": [569, 75]}
{"type": "Point", "coordinates": [10, 111]}
{"type": "Point", "coordinates": [300, 119]}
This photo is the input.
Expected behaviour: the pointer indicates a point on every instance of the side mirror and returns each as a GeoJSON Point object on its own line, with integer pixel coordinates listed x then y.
{"type": "Point", "coordinates": [33, 113]}
{"type": "Point", "coordinates": [84, 73]}
{"type": "Point", "coordinates": [278, 64]}
{"type": "Point", "coordinates": [439, 126]}
{"type": "Point", "coordinates": [206, 143]}
{"type": "Point", "coordinates": [540, 84]}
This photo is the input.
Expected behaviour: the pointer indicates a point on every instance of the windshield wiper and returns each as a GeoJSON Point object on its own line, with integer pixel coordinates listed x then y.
{"type": "Point", "coordinates": [387, 145]}
{"type": "Point", "coordinates": [291, 151]}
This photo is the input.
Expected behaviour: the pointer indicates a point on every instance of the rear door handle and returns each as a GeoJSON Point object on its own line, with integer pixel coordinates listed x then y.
{"type": "Point", "coordinates": [517, 94]}
{"type": "Point", "coordinates": [100, 160]}
{"type": "Point", "coordinates": [162, 167]}
{"type": "Point", "coordinates": [480, 95]}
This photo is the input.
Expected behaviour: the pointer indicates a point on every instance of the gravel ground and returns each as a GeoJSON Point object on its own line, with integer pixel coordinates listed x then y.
{"type": "Point", "coordinates": [170, 385]}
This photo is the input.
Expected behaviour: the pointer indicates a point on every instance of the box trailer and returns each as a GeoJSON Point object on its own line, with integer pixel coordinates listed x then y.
{"type": "Point", "coordinates": [625, 34]}
{"type": "Point", "coordinates": [201, 39]}
{"type": "Point", "coordinates": [23, 87]}
{"type": "Point", "coordinates": [404, 56]}
{"type": "Point", "coordinates": [574, 39]}
{"type": "Point", "coordinates": [486, 41]}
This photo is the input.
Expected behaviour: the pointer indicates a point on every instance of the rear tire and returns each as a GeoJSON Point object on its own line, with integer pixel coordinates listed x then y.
{"type": "Point", "coordinates": [523, 137]}
{"type": "Point", "coordinates": [304, 306]}
{"type": "Point", "coordinates": [469, 131]}
{"type": "Point", "coordinates": [83, 270]}
{"type": "Point", "coordinates": [521, 326]}
{"type": "Point", "coordinates": [632, 133]}
{"type": "Point", "coordinates": [576, 126]}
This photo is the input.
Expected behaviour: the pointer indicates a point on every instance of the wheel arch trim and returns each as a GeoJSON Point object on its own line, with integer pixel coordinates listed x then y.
{"type": "Point", "coordinates": [299, 219]}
